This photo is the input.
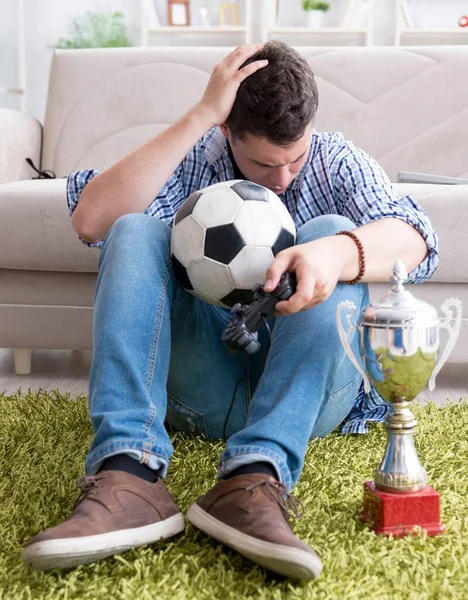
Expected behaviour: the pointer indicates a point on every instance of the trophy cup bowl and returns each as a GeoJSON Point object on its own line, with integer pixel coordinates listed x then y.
{"type": "Point", "coordinates": [398, 344]}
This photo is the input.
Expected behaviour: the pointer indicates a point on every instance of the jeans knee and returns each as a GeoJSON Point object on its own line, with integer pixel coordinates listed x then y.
{"type": "Point", "coordinates": [323, 226]}
{"type": "Point", "coordinates": [140, 227]}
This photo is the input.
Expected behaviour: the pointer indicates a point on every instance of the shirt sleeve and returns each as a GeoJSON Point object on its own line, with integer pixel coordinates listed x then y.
{"type": "Point", "coordinates": [76, 183]}
{"type": "Point", "coordinates": [364, 194]}
{"type": "Point", "coordinates": [164, 206]}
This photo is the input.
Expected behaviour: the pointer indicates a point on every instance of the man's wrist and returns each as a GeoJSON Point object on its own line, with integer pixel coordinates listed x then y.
{"type": "Point", "coordinates": [347, 250]}
{"type": "Point", "coordinates": [203, 116]}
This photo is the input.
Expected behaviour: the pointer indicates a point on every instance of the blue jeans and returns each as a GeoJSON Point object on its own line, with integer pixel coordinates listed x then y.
{"type": "Point", "coordinates": [158, 359]}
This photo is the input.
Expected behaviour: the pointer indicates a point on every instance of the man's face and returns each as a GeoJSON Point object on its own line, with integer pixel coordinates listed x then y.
{"type": "Point", "coordinates": [264, 163]}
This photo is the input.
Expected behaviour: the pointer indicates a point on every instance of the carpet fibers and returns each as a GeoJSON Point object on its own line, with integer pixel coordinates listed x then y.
{"type": "Point", "coordinates": [44, 439]}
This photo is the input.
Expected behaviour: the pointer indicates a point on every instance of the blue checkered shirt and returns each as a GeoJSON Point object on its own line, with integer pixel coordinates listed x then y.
{"type": "Point", "coordinates": [337, 178]}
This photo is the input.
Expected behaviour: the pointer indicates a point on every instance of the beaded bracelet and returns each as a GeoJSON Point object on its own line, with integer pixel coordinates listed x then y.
{"type": "Point", "coordinates": [362, 258]}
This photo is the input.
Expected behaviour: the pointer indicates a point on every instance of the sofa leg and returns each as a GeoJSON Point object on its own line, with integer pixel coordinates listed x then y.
{"type": "Point", "coordinates": [22, 358]}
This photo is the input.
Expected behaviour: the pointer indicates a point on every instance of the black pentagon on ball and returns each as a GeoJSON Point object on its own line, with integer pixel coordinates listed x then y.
{"type": "Point", "coordinates": [250, 191]}
{"type": "Point", "coordinates": [284, 240]}
{"type": "Point", "coordinates": [223, 243]}
{"type": "Point", "coordinates": [187, 207]}
{"type": "Point", "coordinates": [181, 273]}
{"type": "Point", "coordinates": [242, 296]}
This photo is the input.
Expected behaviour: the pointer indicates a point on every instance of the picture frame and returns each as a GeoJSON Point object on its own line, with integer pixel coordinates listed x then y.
{"type": "Point", "coordinates": [228, 15]}
{"type": "Point", "coordinates": [178, 12]}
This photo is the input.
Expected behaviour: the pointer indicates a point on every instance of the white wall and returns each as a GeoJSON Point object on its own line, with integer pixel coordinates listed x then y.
{"type": "Point", "coordinates": [47, 20]}
{"type": "Point", "coordinates": [440, 14]}
{"type": "Point", "coordinates": [8, 52]}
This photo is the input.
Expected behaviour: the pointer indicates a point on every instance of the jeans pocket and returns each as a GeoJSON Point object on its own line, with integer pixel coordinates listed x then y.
{"type": "Point", "coordinates": [337, 408]}
{"type": "Point", "coordinates": [350, 390]}
{"type": "Point", "coordinates": [182, 417]}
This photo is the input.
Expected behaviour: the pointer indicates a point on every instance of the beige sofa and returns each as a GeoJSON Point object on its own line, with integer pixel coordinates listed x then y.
{"type": "Point", "coordinates": [405, 106]}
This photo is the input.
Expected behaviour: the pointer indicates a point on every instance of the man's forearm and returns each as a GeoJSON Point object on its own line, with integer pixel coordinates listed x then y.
{"type": "Point", "coordinates": [130, 185]}
{"type": "Point", "coordinates": [384, 241]}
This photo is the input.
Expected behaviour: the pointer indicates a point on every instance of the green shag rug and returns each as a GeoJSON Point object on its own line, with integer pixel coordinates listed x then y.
{"type": "Point", "coordinates": [44, 440]}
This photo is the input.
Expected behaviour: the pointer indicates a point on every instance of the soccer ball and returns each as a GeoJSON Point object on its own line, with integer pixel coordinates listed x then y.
{"type": "Point", "coordinates": [224, 238]}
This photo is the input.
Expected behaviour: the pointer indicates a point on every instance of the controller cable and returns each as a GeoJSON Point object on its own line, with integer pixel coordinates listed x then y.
{"type": "Point", "coordinates": [265, 322]}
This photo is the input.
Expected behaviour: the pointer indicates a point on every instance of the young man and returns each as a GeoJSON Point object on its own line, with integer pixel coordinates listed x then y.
{"type": "Point", "coordinates": [158, 357]}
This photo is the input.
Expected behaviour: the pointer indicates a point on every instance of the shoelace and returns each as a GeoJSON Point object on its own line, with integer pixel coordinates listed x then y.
{"type": "Point", "coordinates": [291, 506]}
{"type": "Point", "coordinates": [86, 484]}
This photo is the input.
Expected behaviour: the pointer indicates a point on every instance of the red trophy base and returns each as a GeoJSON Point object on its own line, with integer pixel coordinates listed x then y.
{"type": "Point", "coordinates": [398, 514]}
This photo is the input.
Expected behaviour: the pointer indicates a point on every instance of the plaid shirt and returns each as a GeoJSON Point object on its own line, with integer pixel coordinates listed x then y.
{"type": "Point", "coordinates": [337, 178]}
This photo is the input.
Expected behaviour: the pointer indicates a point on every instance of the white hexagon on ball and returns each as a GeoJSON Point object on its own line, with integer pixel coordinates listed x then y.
{"type": "Point", "coordinates": [257, 224]}
{"type": "Point", "coordinates": [217, 207]}
{"type": "Point", "coordinates": [250, 265]}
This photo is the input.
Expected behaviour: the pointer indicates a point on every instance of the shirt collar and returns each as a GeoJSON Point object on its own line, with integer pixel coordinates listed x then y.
{"type": "Point", "coordinates": [214, 146]}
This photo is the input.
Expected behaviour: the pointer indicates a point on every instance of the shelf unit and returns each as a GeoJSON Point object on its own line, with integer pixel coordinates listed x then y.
{"type": "Point", "coordinates": [204, 35]}
{"type": "Point", "coordinates": [407, 35]}
{"type": "Point", "coordinates": [218, 35]}
{"type": "Point", "coordinates": [343, 35]}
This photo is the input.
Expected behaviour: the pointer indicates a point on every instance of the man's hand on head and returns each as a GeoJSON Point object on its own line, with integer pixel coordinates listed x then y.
{"type": "Point", "coordinates": [221, 91]}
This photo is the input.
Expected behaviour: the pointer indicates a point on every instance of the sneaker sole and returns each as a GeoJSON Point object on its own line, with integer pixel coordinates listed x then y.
{"type": "Point", "coordinates": [70, 552]}
{"type": "Point", "coordinates": [285, 560]}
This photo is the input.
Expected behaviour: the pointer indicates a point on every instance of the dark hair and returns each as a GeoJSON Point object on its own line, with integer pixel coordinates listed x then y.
{"type": "Point", "coordinates": [278, 101]}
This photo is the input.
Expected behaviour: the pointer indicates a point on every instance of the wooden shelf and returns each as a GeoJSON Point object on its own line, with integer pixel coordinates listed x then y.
{"type": "Point", "coordinates": [190, 29]}
{"type": "Point", "coordinates": [319, 30]}
{"type": "Point", "coordinates": [416, 37]}
{"type": "Point", "coordinates": [323, 36]}
{"type": "Point", "coordinates": [417, 31]}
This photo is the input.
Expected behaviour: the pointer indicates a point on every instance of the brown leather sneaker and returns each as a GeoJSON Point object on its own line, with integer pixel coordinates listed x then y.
{"type": "Point", "coordinates": [249, 513]}
{"type": "Point", "coordinates": [116, 511]}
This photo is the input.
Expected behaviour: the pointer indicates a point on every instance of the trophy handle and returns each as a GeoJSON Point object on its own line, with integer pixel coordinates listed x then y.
{"type": "Point", "coordinates": [453, 330]}
{"type": "Point", "coordinates": [345, 335]}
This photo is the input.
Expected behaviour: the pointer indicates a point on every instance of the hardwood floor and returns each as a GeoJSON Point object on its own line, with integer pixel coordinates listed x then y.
{"type": "Point", "coordinates": [68, 371]}
{"type": "Point", "coordinates": [65, 370]}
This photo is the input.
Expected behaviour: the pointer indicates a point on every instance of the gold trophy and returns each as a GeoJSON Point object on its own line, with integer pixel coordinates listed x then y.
{"type": "Point", "coordinates": [399, 342]}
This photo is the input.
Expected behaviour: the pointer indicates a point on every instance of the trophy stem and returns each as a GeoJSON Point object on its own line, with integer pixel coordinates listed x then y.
{"type": "Point", "coordinates": [400, 471]}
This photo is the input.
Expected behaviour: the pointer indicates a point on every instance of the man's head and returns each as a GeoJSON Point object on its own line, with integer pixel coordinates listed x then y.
{"type": "Point", "coordinates": [270, 124]}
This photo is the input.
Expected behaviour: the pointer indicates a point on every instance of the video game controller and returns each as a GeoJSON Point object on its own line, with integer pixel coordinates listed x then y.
{"type": "Point", "coordinates": [241, 334]}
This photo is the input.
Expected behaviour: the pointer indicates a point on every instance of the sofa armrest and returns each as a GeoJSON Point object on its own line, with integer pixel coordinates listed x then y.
{"type": "Point", "coordinates": [447, 207]}
{"type": "Point", "coordinates": [36, 232]}
{"type": "Point", "coordinates": [21, 138]}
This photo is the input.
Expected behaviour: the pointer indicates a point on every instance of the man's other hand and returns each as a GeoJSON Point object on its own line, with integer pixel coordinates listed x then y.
{"type": "Point", "coordinates": [317, 265]}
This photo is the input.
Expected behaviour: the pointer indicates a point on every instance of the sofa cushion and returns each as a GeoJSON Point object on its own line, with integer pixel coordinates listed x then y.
{"type": "Point", "coordinates": [406, 107]}
{"type": "Point", "coordinates": [36, 231]}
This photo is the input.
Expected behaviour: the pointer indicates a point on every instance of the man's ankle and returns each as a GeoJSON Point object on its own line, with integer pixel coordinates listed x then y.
{"type": "Point", "coordinates": [255, 467]}
{"type": "Point", "coordinates": [123, 462]}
